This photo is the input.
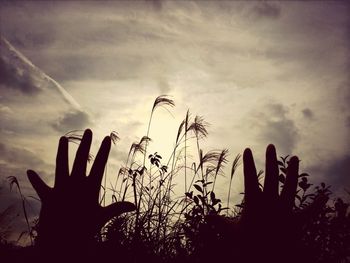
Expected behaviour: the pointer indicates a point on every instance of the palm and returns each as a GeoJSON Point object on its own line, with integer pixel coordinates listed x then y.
{"type": "Point", "coordinates": [71, 216]}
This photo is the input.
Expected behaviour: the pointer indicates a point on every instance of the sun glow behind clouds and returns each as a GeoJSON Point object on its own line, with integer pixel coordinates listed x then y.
{"type": "Point", "coordinates": [259, 73]}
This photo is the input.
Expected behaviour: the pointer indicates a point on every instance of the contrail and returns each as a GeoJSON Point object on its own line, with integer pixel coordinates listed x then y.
{"type": "Point", "coordinates": [64, 93]}
{"type": "Point", "coordinates": [66, 96]}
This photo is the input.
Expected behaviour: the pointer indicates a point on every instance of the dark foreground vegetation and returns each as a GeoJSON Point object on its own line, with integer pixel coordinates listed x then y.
{"type": "Point", "coordinates": [282, 217]}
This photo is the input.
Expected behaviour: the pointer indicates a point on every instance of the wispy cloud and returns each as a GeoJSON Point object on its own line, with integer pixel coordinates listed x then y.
{"type": "Point", "coordinates": [259, 72]}
{"type": "Point", "coordinates": [20, 73]}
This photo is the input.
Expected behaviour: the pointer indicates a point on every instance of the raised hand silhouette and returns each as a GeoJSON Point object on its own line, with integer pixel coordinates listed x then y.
{"type": "Point", "coordinates": [71, 215]}
{"type": "Point", "coordinates": [268, 224]}
{"type": "Point", "coordinates": [269, 229]}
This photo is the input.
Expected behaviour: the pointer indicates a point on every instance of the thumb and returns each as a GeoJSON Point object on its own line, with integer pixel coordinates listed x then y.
{"type": "Point", "coordinates": [41, 188]}
{"type": "Point", "coordinates": [116, 209]}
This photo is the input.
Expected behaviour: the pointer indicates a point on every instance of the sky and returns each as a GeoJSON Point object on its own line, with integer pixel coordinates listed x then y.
{"type": "Point", "coordinates": [258, 72]}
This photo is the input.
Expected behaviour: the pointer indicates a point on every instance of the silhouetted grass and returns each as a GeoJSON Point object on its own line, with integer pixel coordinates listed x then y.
{"type": "Point", "coordinates": [167, 227]}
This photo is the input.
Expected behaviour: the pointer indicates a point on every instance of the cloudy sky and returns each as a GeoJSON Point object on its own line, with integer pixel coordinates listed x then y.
{"type": "Point", "coordinates": [258, 72]}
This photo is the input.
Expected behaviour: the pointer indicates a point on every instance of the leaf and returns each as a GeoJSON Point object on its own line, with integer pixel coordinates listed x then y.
{"type": "Point", "coordinates": [196, 200]}
{"type": "Point", "coordinates": [216, 201]}
{"type": "Point", "coordinates": [280, 163]}
{"type": "Point", "coordinates": [202, 199]}
{"type": "Point", "coordinates": [164, 168]}
{"type": "Point", "coordinates": [189, 194]}
{"type": "Point", "coordinates": [220, 209]}
{"type": "Point", "coordinates": [281, 178]}
{"type": "Point", "coordinates": [211, 207]}
{"type": "Point", "coordinates": [212, 195]}
{"type": "Point", "coordinates": [200, 181]}
{"type": "Point", "coordinates": [142, 170]}
{"type": "Point", "coordinates": [284, 158]}
{"type": "Point", "coordinates": [208, 183]}
{"type": "Point", "coordinates": [198, 188]}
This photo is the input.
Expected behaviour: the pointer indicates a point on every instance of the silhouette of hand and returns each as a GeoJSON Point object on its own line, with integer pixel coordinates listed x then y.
{"type": "Point", "coordinates": [269, 230]}
{"type": "Point", "coordinates": [268, 224]}
{"type": "Point", "coordinates": [71, 215]}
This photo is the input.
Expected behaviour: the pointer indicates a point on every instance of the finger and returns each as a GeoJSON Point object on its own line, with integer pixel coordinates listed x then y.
{"type": "Point", "coordinates": [82, 155]}
{"type": "Point", "coordinates": [62, 169]}
{"type": "Point", "coordinates": [290, 186]}
{"type": "Point", "coordinates": [116, 209]}
{"type": "Point", "coordinates": [41, 188]}
{"type": "Point", "coordinates": [98, 167]}
{"type": "Point", "coordinates": [271, 175]}
{"type": "Point", "coordinates": [251, 183]}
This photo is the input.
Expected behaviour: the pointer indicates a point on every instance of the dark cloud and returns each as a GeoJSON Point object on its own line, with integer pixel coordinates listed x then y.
{"type": "Point", "coordinates": [338, 173]}
{"type": "Point", "coordinates": [66, 67]}
{"type": "Point", "coordinates": [335, 173]}
{"type": "Point", "coordinates": [308, 113]}
{"type": "Point", "coordinates": [12, 219]}
{"type": "Point", "coordinates": [273, 125]}
{"type": "Point", "coordinates": [80, 46]}
{"type": "Point", "coordinates": [281, 133]}
{"type": "Point", "coordinates": [14, 73]}
{"type": "Point", "coordinates": [163, 86]}
{"type": "Point", "coordinates": [348, 121]}
{"type": "Point", "coordinates": [15, 161]}
{"type": "Point", "coordinates": [156, 4]}
{"type": "Point", "coordinates": [16, 156]}
{"type": "Point", "coordinates": [268, 10]}
{"type": "Point", "coordinates": [10, 196]}
{"type": "Point", "coordinates": [73, 120]}
{"type": "Point", "coordinates": [21, 74]}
